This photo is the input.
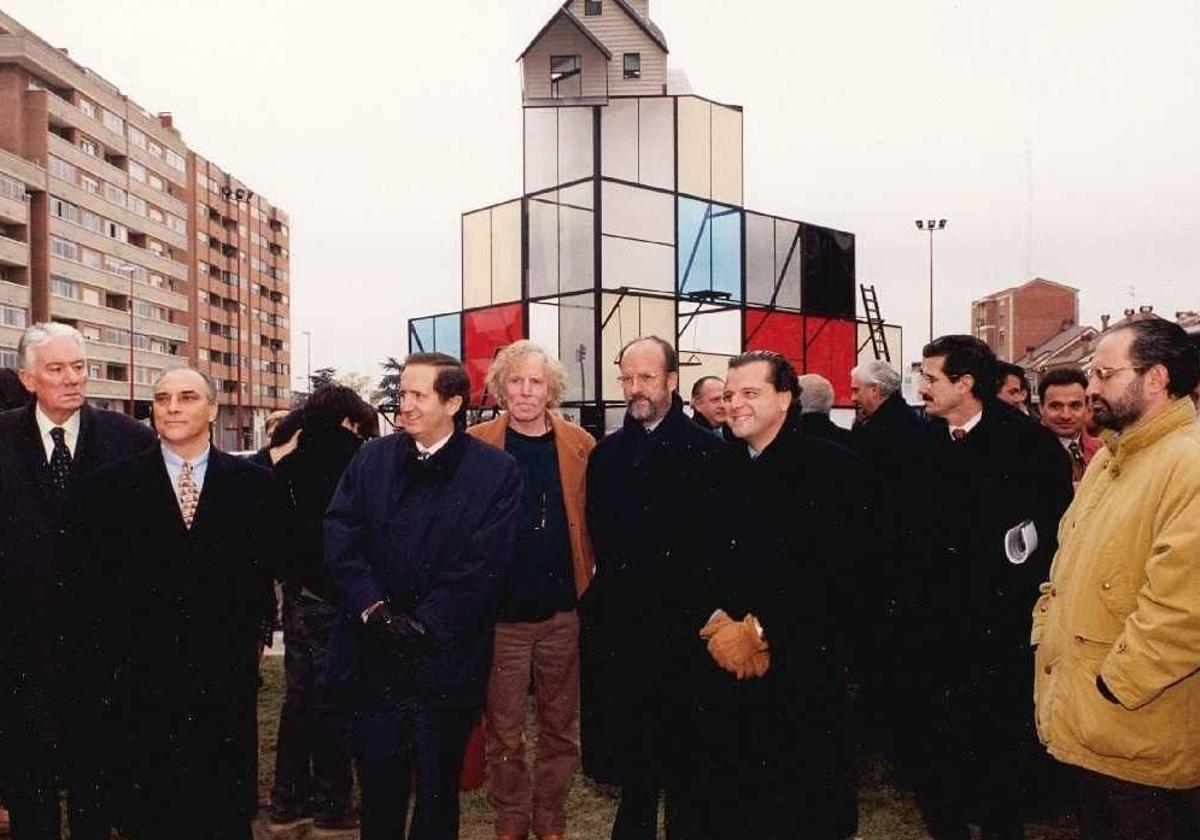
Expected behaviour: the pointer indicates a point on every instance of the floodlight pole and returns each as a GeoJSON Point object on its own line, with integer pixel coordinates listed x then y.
{"type": "Point", "coordinates": [931, 225]}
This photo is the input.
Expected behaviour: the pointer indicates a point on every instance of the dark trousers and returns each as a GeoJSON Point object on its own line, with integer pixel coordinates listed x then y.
{"type": "Point", "coordinates": [394, 746]}
{"type": "Point", "coordinates": [637, 815]}
{"type": "Point", "coordinates": [1113, 809]}
{"type": "Point", "coordinates": [312, 758]}
{"type": "Point", "coordinates": [34, 814]}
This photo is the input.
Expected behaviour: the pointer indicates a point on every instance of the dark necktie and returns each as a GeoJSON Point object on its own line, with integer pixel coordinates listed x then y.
{"type": "Point", "coordinates": [1077, 465]}
{"type": "Point", "coordinates": [60, 460]}
{"type": "Point", "coordinates": [958, 434]}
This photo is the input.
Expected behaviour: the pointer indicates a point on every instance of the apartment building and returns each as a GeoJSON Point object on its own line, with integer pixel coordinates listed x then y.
{"type": "Point", "coordinates": [99, 227]}
{"type": "Point", "coordinates": [1016, 320]}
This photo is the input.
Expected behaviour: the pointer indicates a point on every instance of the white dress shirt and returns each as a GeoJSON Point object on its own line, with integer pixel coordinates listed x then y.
{"type": "Point", "coordinates": [70, 431]}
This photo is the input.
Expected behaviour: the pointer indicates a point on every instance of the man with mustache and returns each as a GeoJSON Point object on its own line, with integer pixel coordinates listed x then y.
{"type": "Point", "coordinates": [996, 488]}
{"type": "Point", "coordinates": [1117, 627]}
{"type": "Point", "coordinates": [648, 484]}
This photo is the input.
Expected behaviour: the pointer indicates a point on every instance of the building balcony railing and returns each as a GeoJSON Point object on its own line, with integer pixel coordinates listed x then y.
{"type": "Point", "coordinates": [13, 252]}
{"type": "Point", "coordinates": [13, 212]}
{"type": "Point", "coordinates": [32, 174]}
{"type": "Point", "coordinates": [68, 114]}
{"type": "Point", "coordinates": [14, 294]}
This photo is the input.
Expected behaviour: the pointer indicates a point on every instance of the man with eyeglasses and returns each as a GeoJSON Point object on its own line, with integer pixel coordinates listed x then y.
{"type": "Point", "coordinates": [650, 487]}
{"type": "Point", "coordinates": [996, 487]}
{"type": "Point", "coordinates": [178, 548]}
{"type": "Point", "coordinates": [46, 448]}
{"type": "Point", "coordinates": [1117, 627]}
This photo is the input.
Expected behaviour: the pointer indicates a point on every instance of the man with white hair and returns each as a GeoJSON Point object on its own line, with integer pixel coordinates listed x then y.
{"type": "Point", "coordinates": [538, 627]}
{"type": "Point", "coordinates": [816, 401]}
{"type": "Point", "coordinates": [45, 448]}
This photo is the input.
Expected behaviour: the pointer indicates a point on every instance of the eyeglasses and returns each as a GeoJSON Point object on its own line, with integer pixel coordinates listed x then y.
{"type": "Point", "coordinates": [642, 379]}
{"type": "Point", "coordinates": [929, 379]}
{"type": "Point", "coordinates": [1106, 373]}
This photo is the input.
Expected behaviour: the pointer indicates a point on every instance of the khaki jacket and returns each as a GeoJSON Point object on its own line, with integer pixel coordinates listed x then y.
{"type": "Point", "coordinates": [573, 446]}
{"type": "Point", "coordinates": [1123, 601]}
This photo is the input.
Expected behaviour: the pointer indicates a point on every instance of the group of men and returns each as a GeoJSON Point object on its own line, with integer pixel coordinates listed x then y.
{"type": "Point", "coordinates": [688, 599]}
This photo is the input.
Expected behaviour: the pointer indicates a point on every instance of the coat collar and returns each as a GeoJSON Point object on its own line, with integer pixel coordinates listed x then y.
{"type": "Point", "coordinates": [1145, 433]}
{"type": "Point", "coordinates": [493, 432]}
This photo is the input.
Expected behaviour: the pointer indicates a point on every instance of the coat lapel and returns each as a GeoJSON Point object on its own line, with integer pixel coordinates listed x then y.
{"type": "Point", "coordinates": [167, 501]}
{"type": "Point", "coordinates": [35, 454]}
{"type": "Point", "coordinates": [216, 475]}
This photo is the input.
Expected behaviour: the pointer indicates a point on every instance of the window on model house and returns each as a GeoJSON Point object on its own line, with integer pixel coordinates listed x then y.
{"type": "Point", "coordinates": [565, 76]}
{"type": "Point", "coordinates": [592, 7]}
{"type": "Point", "coordinates": [633, 65]}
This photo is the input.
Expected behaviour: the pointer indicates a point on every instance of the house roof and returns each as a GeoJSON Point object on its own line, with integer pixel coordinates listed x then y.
{"type": "Point", "coordinates": [564, 12]}
{"type": "Point", "coordinates": [1012, 289]}
{"type": "Point", "coordinates": [648, 26]}
{"type": "Point", "coordinates": [1059, 348]}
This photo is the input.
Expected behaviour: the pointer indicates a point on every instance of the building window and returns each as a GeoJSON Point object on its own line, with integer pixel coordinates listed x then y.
{"type": "Point", "coordinates": [565, 76]}
{"type": "Point", "coordinates": [137, 138]}
{"type": "Point", "coordinates": [10, 316]}
{"type": "Point", "coordinates": [112, 122]}
{"type": "Point", "coordinates": [592, 7]}
{"type": "Point", "coordinates": [89, 184]}
{"type": "Point", "coordinates": [633, 65]}
{"type": "Point", "coordinates": [87, 108]}
{"type": "Point", "coordinates": [89, 147]}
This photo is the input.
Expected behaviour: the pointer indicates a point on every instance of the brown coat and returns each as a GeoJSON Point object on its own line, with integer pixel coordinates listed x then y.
{"type": "Point", "coordinates": [573, 446]}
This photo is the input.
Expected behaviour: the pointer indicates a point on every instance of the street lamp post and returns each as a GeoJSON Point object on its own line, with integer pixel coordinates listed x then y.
{"type": "Point", "coordinates": [308, 377]}
{"type": "Point", "coordinates": [931, 225]}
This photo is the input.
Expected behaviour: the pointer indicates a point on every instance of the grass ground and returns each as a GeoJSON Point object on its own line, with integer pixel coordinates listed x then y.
{"type": "Point", "coordinates": [886, 811]}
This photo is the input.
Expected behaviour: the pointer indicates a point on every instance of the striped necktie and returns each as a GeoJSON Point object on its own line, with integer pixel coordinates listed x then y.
{"type": "Point", "coordinates": [189, 494]}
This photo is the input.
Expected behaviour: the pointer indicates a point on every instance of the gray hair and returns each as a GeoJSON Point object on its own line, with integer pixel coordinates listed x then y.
{"type": "Point", "coordinates": [816, 394]}
{"type": "Point", "coordinates": [209, 384]}
{"type": "Point", "coordinates": [38, 334]}
{"type": "Point", "coordinates": [880, 374]}
{"type": "Point", "coordinates": [510, 356]}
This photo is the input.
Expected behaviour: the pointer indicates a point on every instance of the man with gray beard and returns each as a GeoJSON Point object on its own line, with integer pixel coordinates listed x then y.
{"type": "Point", "coordinates": [649, 483]}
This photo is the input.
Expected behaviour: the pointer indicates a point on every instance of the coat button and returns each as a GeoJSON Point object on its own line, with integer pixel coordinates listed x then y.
{"type": "Point", "coordinates": [1053, 591]}
{"type": "Point", "coordinates": [1106, 585]}
{"type": "Point", "coordinates": [1047, 669]}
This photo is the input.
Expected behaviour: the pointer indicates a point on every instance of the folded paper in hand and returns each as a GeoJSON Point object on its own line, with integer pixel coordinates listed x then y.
{"type": "Point", "coordinates": [1020, 542]}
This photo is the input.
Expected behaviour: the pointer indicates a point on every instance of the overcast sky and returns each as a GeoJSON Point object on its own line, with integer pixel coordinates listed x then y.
{"type": "Point", "coordinates": [1058, 137]}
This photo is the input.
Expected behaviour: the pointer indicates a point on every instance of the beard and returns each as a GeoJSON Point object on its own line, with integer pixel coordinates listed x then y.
{"type": "Point", "coordinates": [643, 409]}
{"type": "Point", "coordinates": [1122, 412]}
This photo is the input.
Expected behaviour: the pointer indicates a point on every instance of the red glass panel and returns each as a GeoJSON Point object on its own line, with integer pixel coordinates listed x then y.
{"type": "Point", "coordinates": [814, 345]}
{"type": "Point", "coordinates": [485, 331]}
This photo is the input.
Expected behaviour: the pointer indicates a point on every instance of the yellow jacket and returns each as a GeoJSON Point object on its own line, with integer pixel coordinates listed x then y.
{"type": "Point", "coordinates": [1123, 601]}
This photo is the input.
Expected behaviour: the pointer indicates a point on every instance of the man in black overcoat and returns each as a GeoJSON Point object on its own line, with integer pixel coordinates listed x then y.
{"type": "Point", "coordinates": [418, 539]}
{"type": "Point", "coordinates": [180, 546]}
{"type": "Point", "coordinates": [774, 749]}
{"type": "Point", "coordinates": [36, 473]}
{"type": "Point", "coordinates": [997, 487]}
{"type": "Point", "coordinates": [651, 487]}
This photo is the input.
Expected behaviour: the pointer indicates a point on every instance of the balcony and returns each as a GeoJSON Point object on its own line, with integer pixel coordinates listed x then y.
{"type": "Point", "coordinates": [111, 390]}
{"type": "Point", "coordinates": [13, 212]}
{"type": "Point", "coordinates": [127, 252]}
{"type": "Point", "coordinates": [32, 174]}
{"type": "Point", "coordinates": [13, 252]}
{"type": "Point", "coordinates": [64, 113]}
{"type": "Point", "coordinates": [14, 294]}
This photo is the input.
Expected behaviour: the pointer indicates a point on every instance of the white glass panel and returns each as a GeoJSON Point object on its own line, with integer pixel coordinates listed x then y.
{"type": "Point", "coordinates": [638, 265]}
{"type": "Point", "coordinates": [543, 325]}
{"type": "Point", "coordinates": [619, 139]}
{"type": "Point", "coordinates": [637, 213]}
{"type": "Point", "coordinates": [695, 149]}
{"type": "Point", "coordinates": [574, 144]}
{"type": "Point", "coordinates": [656, 149]}
{"type": "Point", "coordinates": [506, 252]}
{"type": "Point", "coordinates": [726, 155]}
{"type": "Point", "coordinates": [477, 259]}
{"type": "Point", "coordinates": [710, 332]}
{"type": "Point", "coordinates": [541, 148]}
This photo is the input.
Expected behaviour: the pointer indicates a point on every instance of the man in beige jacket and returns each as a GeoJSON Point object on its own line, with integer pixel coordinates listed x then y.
{"type": "Point", "coordinates": [1117, 627]}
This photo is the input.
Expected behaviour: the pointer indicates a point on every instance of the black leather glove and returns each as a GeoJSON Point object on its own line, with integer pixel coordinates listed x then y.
{"type": "Point", "coordinates": [402, 634]}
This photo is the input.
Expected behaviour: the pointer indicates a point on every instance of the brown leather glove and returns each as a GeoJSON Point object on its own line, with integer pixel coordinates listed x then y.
{"type": "Point", "coordinates": [719, 619]}
{"type": "Point", "coordinates": [734, 644]}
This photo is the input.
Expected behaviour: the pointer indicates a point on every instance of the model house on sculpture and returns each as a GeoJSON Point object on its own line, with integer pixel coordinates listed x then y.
{"type": "Point", "coordinates": [632, 222]}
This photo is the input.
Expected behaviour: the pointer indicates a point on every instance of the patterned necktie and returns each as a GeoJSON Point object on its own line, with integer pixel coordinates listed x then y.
{"type": "Point", "coordinates": [189, 494]}
{"type": "Point", "coordinates": [1077, 465]}
{"type": "Point", "coordinates": [60, 460]}
{"type": "Point", "coordinates": [958, 434]}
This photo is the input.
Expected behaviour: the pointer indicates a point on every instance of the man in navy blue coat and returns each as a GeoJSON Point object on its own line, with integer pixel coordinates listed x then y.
{"type": "Point", "coordinates": [419, 537]}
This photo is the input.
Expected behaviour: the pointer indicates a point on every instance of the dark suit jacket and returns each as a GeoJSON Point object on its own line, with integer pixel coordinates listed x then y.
{"type": "Point", "coordinates": [818, 425]}
{"type": "Point", "coordinates": [434, 540]}
{"type": "Point", "coordinates": [33, 561]}
{"type": "Point", "coordinates": [170, 618]}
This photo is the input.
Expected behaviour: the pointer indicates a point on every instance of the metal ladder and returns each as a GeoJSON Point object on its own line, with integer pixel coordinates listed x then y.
{"type": "Point", "coordinates": [874, 322]}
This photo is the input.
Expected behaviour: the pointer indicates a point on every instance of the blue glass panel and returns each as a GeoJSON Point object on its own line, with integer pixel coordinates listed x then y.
{"type": "Point", "coordinates": [709, 254]}
{"type": "Point", "coordinates": [726, 251]}
{"type": "Point", "coordinates": [420, 335]}
{"type": "Point", "coordinates": [447, 334]}
{"type": "Point", "coordinates": [694, 251]}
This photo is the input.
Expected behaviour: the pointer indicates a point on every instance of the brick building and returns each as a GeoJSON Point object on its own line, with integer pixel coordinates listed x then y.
{"type": "Point", "coordinates": [100, 219]}
{"type": "Point", "coordinates": [1016, 320]}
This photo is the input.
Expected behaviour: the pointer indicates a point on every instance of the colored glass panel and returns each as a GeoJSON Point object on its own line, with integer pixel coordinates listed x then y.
{"type": "Point", "coordinates": [709, 256]}
{"type": "Point", "coordinates": [485, 332]}
{"type": "Point", "coordinates": [828, 271]}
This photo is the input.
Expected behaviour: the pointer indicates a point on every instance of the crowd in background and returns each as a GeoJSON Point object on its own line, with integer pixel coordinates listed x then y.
{"type": "Point", "coordinates": [712, 610]}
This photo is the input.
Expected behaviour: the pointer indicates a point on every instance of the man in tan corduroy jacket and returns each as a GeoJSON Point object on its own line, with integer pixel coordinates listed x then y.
{"type": "Point", "coordinates": [1117, 627]}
